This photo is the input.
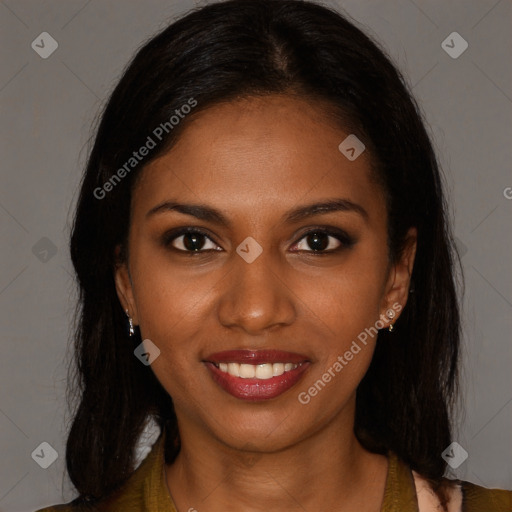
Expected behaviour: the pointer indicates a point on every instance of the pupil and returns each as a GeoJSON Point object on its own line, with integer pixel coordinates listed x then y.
{"type": "Point", "coordinates": [316, 243]}
{"type": "Point", "coordinates": [190, 239]}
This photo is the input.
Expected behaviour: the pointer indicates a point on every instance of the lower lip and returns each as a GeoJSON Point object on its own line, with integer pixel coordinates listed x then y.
{"type": "Point", "coordinates": [257, 389]}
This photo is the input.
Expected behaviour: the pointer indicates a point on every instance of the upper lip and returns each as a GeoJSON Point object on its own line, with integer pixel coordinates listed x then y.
{"type": "Point", "coordinates": [256, 357]}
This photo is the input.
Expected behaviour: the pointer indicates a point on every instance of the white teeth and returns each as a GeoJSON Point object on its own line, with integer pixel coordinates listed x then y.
{"type": "Point", "coordinates": [264, 371]}
{"type": "Point", "coordinates": [259, 371]}
{"type": "Point", "coordinates": [234, 369]}
{"type": "Point", "coordinates": [247, 371]}
{"type": "Point", "coordinates": [277, 369]}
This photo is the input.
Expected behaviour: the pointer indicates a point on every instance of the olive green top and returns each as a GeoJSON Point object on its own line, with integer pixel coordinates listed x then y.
{"type": "Point", "coordinates": [146, 491]}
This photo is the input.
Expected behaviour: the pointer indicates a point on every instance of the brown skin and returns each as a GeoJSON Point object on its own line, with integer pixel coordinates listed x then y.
{"type": "Point", "coordinates": [254, 160]}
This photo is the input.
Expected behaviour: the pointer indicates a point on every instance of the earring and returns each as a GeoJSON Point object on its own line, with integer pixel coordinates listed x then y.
{"type": "Point", "coordinates": [390, 314]}
{"type": "Point", "coordinates": [132, 330]}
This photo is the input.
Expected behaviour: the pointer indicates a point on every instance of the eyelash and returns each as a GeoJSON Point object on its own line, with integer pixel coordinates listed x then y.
{"type": "Point", "coordinates": [344, 238]}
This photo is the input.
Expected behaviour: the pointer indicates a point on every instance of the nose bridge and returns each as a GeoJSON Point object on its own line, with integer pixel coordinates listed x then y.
{"type": "Point", "coordinates": [255, 298]}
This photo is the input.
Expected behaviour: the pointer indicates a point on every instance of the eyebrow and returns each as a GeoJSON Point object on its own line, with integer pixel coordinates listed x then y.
{"type": "Point", "coordinates": [210, 214]}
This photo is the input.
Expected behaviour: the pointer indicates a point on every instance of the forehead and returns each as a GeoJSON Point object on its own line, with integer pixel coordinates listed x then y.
{"type": "Point", "coordinates": [263, 152]}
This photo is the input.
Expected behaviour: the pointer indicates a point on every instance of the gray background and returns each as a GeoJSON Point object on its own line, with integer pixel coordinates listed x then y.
{"type": "Point", "coordinates": [47, 107]}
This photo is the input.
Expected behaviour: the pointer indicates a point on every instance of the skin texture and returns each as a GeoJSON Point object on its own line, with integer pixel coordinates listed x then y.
{"type": "Point", "coordinates": [254, 160]}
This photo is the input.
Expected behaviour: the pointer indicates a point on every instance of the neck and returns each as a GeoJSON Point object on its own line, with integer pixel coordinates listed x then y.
{"type": "Point", "coordinates": [328, 470]}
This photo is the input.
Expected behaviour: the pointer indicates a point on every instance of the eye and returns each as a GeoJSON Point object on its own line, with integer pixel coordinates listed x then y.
{"type": "Point", "coordinates": [191, 240]}
{"type": "Point", "coordinates": [324, 241]}
{"type": "Point", "coordinates": [318, 241]}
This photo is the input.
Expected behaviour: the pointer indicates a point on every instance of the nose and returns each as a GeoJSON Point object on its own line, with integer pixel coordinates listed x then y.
{"type": "Point", "coordinates": [256, 298]}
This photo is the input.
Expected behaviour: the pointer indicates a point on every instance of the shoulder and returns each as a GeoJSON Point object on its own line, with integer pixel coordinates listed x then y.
{"type": "Point", "coordinates": [477, 498]}
{"type": "Point", "coordinates": [136, 494]}
{"type": "Point", "coordinates": [462, 496]}
{"type": "Point", "coordinates": [129, 497]}
{"type": "Point", "coordinates": [126, 499]}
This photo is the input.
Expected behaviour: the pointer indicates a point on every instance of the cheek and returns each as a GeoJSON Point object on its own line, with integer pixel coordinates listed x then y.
{"type": "Point", "coordinates": [347, 309]}
{"type": "Point", "coordinates": [349, 312]}
{"type": "Point", "coordinates": [168, 295]}
{"type": "Point", "coordinates": [171, 308]}
{"type": "Point", "coordinates": [348, 298]}
{"type": "Point", "coordinates": [171, 317]}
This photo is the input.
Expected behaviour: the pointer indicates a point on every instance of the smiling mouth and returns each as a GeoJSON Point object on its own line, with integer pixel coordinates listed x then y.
{"type": "Point", "coordinates": [256, 375]}
{"type": "Point", "coordinates": [261, 371]}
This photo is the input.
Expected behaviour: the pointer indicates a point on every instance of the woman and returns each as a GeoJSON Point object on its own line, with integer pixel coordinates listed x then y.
{"type": "Point", "coordinates": [266, 270]}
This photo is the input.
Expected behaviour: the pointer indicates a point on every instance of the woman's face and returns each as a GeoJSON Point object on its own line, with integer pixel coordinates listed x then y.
{"type": "Point", "coordinates": [271, 281]}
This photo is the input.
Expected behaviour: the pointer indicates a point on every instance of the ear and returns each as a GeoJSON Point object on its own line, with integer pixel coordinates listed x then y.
{"type": "Point", "coordinates": [399, 279]}
{"type": "Point", "coordinates": [124, 286]}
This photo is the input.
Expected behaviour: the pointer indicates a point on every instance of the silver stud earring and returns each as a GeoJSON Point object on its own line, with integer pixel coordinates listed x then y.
{"type": "Point", "coordinates": [390, 314]}
{"type": "Point", "coordinates": [132, 330]}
